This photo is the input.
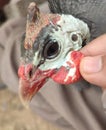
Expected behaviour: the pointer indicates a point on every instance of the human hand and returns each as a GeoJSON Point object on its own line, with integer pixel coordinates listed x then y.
{"type": "Point", "coordinates": [93, 65]}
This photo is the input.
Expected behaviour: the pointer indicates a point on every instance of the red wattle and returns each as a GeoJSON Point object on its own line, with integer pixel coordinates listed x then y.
{"type": "Point", "coordinates": [69, 72]}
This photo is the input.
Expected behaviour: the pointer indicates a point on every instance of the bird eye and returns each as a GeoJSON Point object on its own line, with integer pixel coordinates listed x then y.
{"type": "Point", "coordinates": [51, 50]}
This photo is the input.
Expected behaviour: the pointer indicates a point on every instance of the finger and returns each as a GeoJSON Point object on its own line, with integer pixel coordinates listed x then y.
{"type": "Point", "coordinates": [93, 69]}
{"type": "Point", "coordinates": [95, 47]}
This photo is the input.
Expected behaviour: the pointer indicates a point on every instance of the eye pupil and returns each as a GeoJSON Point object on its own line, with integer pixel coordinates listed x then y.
{"type": "Point", "coordinates": [51, 50]}
{"type": "Point", "coordinates": [74, 37]}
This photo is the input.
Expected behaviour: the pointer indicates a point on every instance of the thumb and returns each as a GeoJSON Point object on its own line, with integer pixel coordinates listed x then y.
{"type": "Point", "coordinates": [93, 69]}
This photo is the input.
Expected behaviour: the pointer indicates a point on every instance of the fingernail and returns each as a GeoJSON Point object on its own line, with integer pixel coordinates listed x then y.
{"type": "Point", "coordinates": [92, 64]}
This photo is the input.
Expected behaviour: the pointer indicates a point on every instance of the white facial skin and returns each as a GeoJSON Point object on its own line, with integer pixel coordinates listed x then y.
{"type": "Point", "coordinates": [68, 26]}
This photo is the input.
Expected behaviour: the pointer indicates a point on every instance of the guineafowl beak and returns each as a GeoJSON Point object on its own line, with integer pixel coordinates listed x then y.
{"type": "Point", "coordinates": [31, 80]}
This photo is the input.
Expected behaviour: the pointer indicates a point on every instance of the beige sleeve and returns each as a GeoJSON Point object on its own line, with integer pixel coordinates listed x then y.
{"type": "Point", "coordinates": [10, 32]}
{"type": "Point", "coordinates": [104, 100]}
{"type": "Point", "coordinates": [14, 1]}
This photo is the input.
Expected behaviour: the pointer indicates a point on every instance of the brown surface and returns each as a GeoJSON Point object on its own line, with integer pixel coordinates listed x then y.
{"type": "Point", "coordinates": [13, 116]}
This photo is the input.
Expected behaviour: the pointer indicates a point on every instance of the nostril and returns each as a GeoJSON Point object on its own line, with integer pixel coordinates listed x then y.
{"type": "Point", "coordinates": [30, 73]}
{"type": "Point", "coordinates": [28, 70]}
{"type": "Point", "coordinates": [25, 72]}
